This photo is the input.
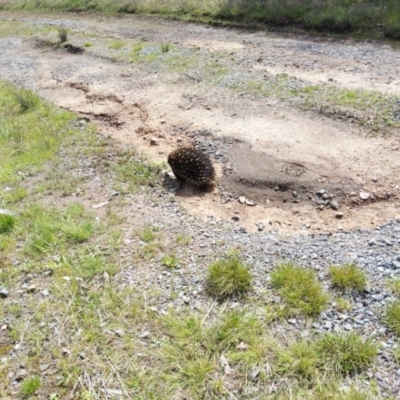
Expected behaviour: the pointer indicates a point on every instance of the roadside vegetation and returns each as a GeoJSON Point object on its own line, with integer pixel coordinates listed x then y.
{"type": "Point", "coordinates": [71, 329]}
{"type": "Point", "coordinates": [365, 17]}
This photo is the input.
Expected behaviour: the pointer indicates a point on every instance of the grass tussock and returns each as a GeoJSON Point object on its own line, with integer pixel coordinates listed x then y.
{"type": "Point", "coordinates": [300, 289]}
{"type": "Point", "coordinates": [348, 277]}
{"type": "Point", "coordinates": [228, 277]}
{"type": "Point", "coordinates": [392, 317]}
{"type": "Point", "coordinates": [7, 222]}
{"type": "Point", "coordinates": [62, 35]}
{"type": "Point", "coordinates": [347, 354]}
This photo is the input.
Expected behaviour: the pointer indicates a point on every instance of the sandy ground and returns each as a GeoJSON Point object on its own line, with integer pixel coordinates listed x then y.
{"type": "Point", "coordinates": [282, 167]}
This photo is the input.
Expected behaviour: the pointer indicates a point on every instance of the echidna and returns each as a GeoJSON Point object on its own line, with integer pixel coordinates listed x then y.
{"type": "Point", "coordinates": [191, 164]}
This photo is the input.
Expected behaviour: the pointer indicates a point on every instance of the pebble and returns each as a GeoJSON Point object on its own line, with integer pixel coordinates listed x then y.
{"type": "Point", "coordinates": [3, 292]}
{"type": "Point", "coordinates": [364, 195]}
{"type": "Point", "coordinates": [334, 205]}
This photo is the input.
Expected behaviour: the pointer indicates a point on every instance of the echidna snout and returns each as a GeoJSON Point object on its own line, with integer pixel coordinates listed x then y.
{"type": "Point", "coordinates": [192, 165]}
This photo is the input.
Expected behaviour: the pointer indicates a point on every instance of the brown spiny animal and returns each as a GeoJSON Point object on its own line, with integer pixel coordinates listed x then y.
{"type": "Point", "coordinates": [192, 165]}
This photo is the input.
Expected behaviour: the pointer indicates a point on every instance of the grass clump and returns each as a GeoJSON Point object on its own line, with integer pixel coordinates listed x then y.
{"type": "Point", "coordinates": [228, 277]}
{"type": "Point", "coordinates": [62, 35]}
{"type": "Point", "coordinates": [348, 277]}
{"type": "Point", "coordinates": [346, 354]}
{"type": "Point", "coordinates": [300, 289]}
{"type": "Point", "coordinates": [148, 234]}
{"type": "Point", "coordinates": [7, 222]}
{"type": "Point", "coordinates": [299, 360]}
{"type": "Point", "coordinates": [165, 47]}
{"type": "Point", "coordinates": [116, 45]}
{"type": "Point", "coordinates": [26, 99]}
{"type": "Point", "coordinates": [170, 261]}
{"type": "Point", "coordinates": [30, 386]}
{"type": "Point", "coordinates": [392, 317]}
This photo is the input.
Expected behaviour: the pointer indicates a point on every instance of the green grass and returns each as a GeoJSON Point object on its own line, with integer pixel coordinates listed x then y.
{"type": "Point", "coordinates": [347, 353]}
{"type": "Point", "coordinates": [392, 317]}
{"type": "Point", "coordinates": [165, 47]}
{"type": "Point", "coordinates": [228, 277]}
{"type": "Point", "coordinates": [26, 99]}
{"type": "Point", "coordinates": [148, 234]}
{"type": "Point", "coordinates": [7, 222]}
{"type": "Point", "coordinates": [62, 35]}
{"type": "Point", "coordinates": [170, 261]}
{"type": "Point", "coordinates": [30, 386]}
{"type": "Point", "coordinates": [348, 277]}
{"type": "Point", "coordinates": [366, 17]}
{"type": "Point", "coordinates": [341, 354]}
{"type": "Point", "coordinates": [300, 289]}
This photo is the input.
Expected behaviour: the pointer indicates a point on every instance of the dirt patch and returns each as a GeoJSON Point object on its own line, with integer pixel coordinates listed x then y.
{"type": "Point", "coordinates": [276, 165]}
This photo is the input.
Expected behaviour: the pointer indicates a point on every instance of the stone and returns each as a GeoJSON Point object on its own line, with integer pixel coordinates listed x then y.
{"type": "Point", "coordinates": [334, 205]}
{"type": "Point", "coordinates": [364, 195]}
{"type": "Point", "coordinates": [3, 292]}
{"type": "Point", "coordinates": [339, 215]}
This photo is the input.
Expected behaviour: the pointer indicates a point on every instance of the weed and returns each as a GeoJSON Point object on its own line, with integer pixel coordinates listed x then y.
{"type": "Point", "coordinates": [62, 35]}
{"type": "Point", "coordinates": [183, 239]}
{"type": "Point", "coordinates": [148, 234]}
{"type": "Point", "coordinates": [347, 353]}
{"type": "Point", "coordinates": [300, 289]}
{"type": "Point", "coordinates": [228, 277]}
{"type": "Point", "coordinates": [348, 277]}
{"type": "Point", "coordinates": [165, 47]}
{"type": "Point", "coordinates": [170, 261]}
{"type": "Point", "coordinates": [7, 222]}
{"type": "Point", "coordinates": [30, 385]}
{"type": "Point", "coordinates": [392, 317]}
{"type": "Point", "coordinates": [88, 44]}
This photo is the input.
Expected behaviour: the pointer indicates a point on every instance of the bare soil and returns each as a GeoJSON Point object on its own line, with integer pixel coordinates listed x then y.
{"type": "Point", "coordinates": [277, 165]}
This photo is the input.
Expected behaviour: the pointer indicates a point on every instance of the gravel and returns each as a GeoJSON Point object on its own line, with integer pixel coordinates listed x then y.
{"type": "Point", "coordinates": [369, 249]}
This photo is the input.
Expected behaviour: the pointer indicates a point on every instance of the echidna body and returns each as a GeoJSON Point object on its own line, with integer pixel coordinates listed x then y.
{"type": "Point", "coordinates": [191, 164]}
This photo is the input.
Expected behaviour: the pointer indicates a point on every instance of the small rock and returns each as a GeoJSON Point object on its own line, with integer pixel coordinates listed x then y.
{"type": "Point", "coordinates": [334, 205]}
{"type": "Point", "coordinates": [339, 215]}
{"type": "Point", "coordinates": [235, 218]}
{"type": "Point", "coordinates": [242, 199]}
{"type": "Point", "coordinates": [364, 195]}
{"type": "Point", "coordinates": [3, 292]}
{"type": "Point", "coordinates": [153, 142]}
{"type": "Point", "coordinates": [250, 203]}
{"type": "Point", "coordinates": [144, 335]}
{"type": "Point", "coordinates": [328, 325]}
{"type": "Point", "coordinates": [348, 327]}
{"type": "Point", "coordinates": [31, 289]}
{"type": "Point", "coordinates": [260, 226]}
